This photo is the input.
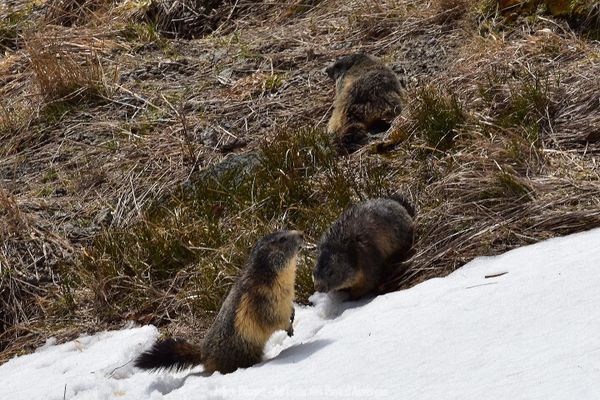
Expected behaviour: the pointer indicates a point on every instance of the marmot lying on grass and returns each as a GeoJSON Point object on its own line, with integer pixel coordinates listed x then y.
{"type": "Point", "coordinates": [361, 248]}
{"type": "Point", "coordinates": [367, 98]}
{"type": "Point", "coordinates": [259, 303]}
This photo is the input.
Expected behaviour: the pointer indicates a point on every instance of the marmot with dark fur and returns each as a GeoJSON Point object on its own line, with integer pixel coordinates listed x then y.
{"type": "Point", "coordinates": [259, 303]}
{"type": "Point", "coordinates": [367, 98]}
{"type": "Point", "coordinates": [360, 250]}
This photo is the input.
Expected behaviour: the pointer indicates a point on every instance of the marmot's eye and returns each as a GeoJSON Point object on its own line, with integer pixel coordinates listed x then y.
{"type": "Point", "coordinates": [283, 239]}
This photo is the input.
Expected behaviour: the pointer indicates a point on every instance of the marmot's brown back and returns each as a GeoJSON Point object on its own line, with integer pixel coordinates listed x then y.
{"type": "Point", "coordinates": [259, 303]}
{"type": "Point", "coordinates": [368, 98]}
{"type": "Point", "coordinates": [359, 250]}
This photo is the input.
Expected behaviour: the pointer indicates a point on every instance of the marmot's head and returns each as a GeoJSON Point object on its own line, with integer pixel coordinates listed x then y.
{"type": "Point", "coordinates": [339, 68]}
{"type": "Point", "coordinates": [275, 251]}
{"type": "Point", "coordinates": [336, 265]}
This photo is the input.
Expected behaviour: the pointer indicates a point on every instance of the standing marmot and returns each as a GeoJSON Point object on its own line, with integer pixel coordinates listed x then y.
{"type": "Point", "coordinates": [259, 303]}
{"type": "Point", "coordinates": [367, 98]}
{"type": "Point", "coordinates": [360, 249]}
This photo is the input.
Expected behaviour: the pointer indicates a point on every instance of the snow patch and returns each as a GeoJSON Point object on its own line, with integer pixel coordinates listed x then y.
{"type": "Point", "coordinates": [522, 325]}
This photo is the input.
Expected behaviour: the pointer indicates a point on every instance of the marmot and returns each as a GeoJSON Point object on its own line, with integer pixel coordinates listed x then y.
{"type": "Point", "coordinates": [359, 251]}
{"type": "Point", "coordinates": [367, 98]}
{"type": "Point", "coordinates": [259, 303]}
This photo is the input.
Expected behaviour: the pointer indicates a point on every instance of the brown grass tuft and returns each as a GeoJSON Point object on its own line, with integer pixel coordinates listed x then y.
{"type": "Point", "coordinates": [65, 70]}
{"type": "Point", "coordinates": [13, 121]}
{"type": "Point", "coordinates": [10, 215]}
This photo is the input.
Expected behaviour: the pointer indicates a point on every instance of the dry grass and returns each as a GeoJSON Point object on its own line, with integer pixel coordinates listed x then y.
{"type": "Point", "coordinates": [297, 7]}
{"type": "Point", "coordinates": [11, 216]}
{"type": "Point", "coordinates": [192, 18]}
{"type": "Point", "coordinates": [13, 120]}
{"type": "Point", "coordinates": [73, 12]}
{"type": "Point", "coordinates": [16, 19]}
{"type": "Point", "coordinates": [498, 194]}
{"type": "Point", "coordinates": [16, 294]}
{"type": "Point", "coordinates": [378, 19]}
{"type": "Point", "coordinates": [132, 207]}
{"type": "Point", "coordinates": [65, 70]}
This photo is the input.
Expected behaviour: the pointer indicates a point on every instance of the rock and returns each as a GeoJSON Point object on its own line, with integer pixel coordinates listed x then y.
{"type": "Point", "coordinates": [104, 217]}
{"type": "Point", "coordinates": [225, 76]}
{"type": "Point", "coordinates": [242, 164]}
{"type": "Point", "coordinates": [209, 137]}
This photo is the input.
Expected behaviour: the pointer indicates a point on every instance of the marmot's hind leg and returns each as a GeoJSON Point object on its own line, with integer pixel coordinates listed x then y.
{"type": "Point", "coordinates": [353, 137]}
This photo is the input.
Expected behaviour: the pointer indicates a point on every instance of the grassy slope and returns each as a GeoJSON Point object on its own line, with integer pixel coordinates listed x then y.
{"type": "Point", "coordinates": [106, 127]}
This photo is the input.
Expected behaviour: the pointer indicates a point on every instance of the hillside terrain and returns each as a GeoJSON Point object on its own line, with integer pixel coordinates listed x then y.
{"type": "Point", "coordinates": [489, 330]}
{"type": "Point", "coordinates": [146, 145]}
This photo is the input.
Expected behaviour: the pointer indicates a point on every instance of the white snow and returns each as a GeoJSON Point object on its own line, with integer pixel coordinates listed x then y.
{"type": "Point", "coordinates": [531, 333]}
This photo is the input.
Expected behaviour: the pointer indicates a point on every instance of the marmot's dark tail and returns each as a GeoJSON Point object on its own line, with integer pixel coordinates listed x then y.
{"type": "Point", "coordinates": [174, 354]}
{"type": "Point", "coordinates": [400, 198]}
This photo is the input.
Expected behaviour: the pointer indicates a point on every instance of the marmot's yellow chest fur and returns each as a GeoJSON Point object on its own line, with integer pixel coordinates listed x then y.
{"type": "Point", "coordinates": [278, 295]}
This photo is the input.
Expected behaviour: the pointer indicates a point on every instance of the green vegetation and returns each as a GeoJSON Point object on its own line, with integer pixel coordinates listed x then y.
{"type": "Point", "coordinates": [438, 117]}
{"type": "Point", "coordinates": [192, 243]}
{"type": "Point", "coordinates": [520, 100]}
{"type": "Point", "coordinates": [582, 15]}
{"type": "Point", "coordinates": [144, 33]}
{"type": "Point", "coordinates": [13, 23]}
{"type": "Point", "coordinates": [272, 83]}
{"type": "Point", "coordinates": [528, 106]}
